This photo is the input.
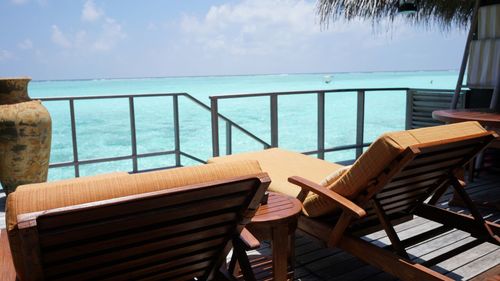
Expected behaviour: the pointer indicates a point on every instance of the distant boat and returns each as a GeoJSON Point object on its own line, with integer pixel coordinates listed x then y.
{"type": "Point", "coordinates": [327, 79]}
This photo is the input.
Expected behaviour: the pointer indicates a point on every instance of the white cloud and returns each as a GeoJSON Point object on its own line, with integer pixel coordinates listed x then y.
{"type": "Point", "coordinates": [26, 44]}
{"type": "Point", "coordinates": [19, 2]}
{"type": "Point", "coordinates": [103, 38]}
{"type": "Point", "coordinates": [5, 55]}
{"type": "Point", "coordinates": [59, 38]}
{"type": "Point", "coordinates": [253, 26]}
{"type": "Point", "coordinates": [111, 34]}
{"type": "Point", "coordinates": [90, 12]}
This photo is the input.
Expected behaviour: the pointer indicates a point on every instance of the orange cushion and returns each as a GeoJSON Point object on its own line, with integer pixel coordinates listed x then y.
{"type": "Point", "coordinates": [378, 156]}
{"type": "Point", "coordinates": [281, 164]}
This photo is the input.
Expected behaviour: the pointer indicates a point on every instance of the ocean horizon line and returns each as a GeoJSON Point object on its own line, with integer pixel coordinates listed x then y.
{"type": "Point", "coordinates": [240, 75]}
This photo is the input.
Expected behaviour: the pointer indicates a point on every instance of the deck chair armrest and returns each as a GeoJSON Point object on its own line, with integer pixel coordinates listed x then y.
{"type": "Point", "coordinates": [344, 203]}
{"type": "Point", "coordinates": [249, 241]}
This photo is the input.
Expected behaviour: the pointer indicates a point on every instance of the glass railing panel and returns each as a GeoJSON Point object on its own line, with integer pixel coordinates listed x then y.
{"type": "Point", "coordinates": [154, 124]}
{"type": "Point", "coordinates": [340, 122]}
{"type": "Point", "coordinates": [195, 129]}
{"type": "Point", "coordinates": [106, 167]}
{"type": "Point", "coordinates": [61, 173]}
{"type": "Point", "coordinates": [297, 122]}
{"type": "Point", "coordinates": [251, 113]}
{"type": "Point", "coordinates": [155, 162]}
{"type": "Point", "coordinates": [341, 156]}
{"type": "Point", "coordinates": [61, 148]}
{"type": "Point", "coordinates": [385, 112]}
{"type": "Point", "coordinates": [241, 143]}
{"type": "Point", "coordinates": [103, 128]}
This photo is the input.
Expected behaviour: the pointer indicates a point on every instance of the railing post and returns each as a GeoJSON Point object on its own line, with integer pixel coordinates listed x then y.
{"type": "Point", "coordinates": [274, 120]}
{"type": "Point", "coordinates": [321, 125]}
{"type": "Point", "coordinates": [463, 66]}
{"type": "Point", "coordinates": [360, 123]}
{"type": "Point", "coordinates": [215, 126]}
{"type": "Point", "coordinates": [229, 139]}
{"type": "Point", "coordinates": [409, 109]}
{"type": "Point", "coordinates": [133, 136]}
{"type": "Point", "coordinates": [73, 137]}
{"type": "Point", "coordinates": [177, 140]}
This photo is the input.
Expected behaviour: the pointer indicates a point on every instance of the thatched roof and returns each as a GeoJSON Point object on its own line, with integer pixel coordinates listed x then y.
{"type": "Point", "coordinates": [443, 13]}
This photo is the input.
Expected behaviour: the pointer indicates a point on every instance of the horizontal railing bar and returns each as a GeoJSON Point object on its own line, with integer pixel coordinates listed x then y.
{"type": "Point", "coordinates": [337, 148]}
{"type": "Point", "coordinates": [61, 164]}
{"type": "Point", "coordinates": [231, 96]}
{"type": "Point", "coordinates": [346, 147]}
{"type": "Point", "coordinates": [193, 157]}
{"type": "Point", "coordinates": [158, 153]}
{"type": "Point", "coordinates": [248, 95]}
{"type": "Point", "coordinates": [110, 96]}
{"type": "Point", "coordinates": [110, 159]}
{"type": "Point", "coordinates": [154, 169]}
{"type": "Point", "coordinates": [432, 90]}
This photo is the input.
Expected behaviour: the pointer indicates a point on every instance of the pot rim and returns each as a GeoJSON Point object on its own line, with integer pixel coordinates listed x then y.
{"type": "Point", "coordinates": [19, 78]}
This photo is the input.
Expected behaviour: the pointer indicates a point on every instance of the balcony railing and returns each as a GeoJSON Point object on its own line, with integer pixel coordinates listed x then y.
{"type": "Point", "coordinates": [419, 104]}
{"type": "Point", "coordinates": [134, 155]}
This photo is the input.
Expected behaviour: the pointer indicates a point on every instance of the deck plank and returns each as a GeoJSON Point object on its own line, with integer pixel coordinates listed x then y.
{"type": "Point", "coordinates": [316, 263]}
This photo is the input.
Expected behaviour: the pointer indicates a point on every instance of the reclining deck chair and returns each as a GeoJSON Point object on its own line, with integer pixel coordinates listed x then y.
{"type": "Point", "coordinates": [166, 225]}
{"type": "Point", "coordinates": [402, 174]}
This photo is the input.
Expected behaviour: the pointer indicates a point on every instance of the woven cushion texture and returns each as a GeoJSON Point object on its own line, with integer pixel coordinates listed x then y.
{"type": "Point", "coordinates": [281, 164]}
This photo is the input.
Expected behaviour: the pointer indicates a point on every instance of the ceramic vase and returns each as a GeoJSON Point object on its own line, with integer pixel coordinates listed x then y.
{"type": "Point", "coordinates": [25, 135]}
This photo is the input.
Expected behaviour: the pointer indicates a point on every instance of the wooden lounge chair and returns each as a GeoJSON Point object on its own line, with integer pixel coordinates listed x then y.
{"type": "Point", "coordinates": [166, 225]}
{"type": "Point", "coordinates": [402, 174]}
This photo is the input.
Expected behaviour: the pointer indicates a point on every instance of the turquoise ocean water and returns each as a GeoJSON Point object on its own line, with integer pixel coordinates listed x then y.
{"type": "Point", "coordinates": [103, 126]}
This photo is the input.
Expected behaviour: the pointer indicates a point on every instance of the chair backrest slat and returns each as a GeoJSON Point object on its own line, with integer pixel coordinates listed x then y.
{"type": "Point", "coordinates": [119, 210]}
{"type": "Point", "coordinates": [175, 234]}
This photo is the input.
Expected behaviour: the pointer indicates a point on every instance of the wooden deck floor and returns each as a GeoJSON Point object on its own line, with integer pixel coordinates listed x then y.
{"type": "Point", "coordinates": [316, 263]}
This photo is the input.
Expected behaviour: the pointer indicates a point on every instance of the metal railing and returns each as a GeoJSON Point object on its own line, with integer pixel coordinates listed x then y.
{"type": "Point", "coordinates": [134, 155]}
{"type": "Point", "coordinates": [320, 95]}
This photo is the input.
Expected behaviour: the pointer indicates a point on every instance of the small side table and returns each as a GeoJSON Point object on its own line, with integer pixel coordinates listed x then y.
{"type": "Point", "coordinates": [277, 221]}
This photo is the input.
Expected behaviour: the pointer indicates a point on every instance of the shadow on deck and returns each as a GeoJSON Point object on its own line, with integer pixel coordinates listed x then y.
{"type": "Point", "coordinates": [314, 262]}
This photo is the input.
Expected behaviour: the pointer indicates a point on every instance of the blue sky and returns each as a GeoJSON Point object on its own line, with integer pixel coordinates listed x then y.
{"type": "Point", "coordinates": [61, 39]}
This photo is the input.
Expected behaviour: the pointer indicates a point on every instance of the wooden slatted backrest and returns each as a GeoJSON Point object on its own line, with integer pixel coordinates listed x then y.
{"type": "Point", "coordinates": [173, 234]}
{"type": "Point", "coordinates": [415, 175]}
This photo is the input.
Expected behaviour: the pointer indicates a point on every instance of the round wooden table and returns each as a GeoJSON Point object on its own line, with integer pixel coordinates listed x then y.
{"type": "Point", "coordinates": [277, 221]}
{"type": "Point", "coordinates": [485, 117]}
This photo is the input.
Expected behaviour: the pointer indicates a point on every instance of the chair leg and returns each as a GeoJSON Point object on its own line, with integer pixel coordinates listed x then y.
{"type": "Point", "coordinates": [389, 230]}
{"type": "Point", "coordinates": [241, 255]}
{"type": "Point", "coordinates": [478, 218]}
{"type": "Point", "coordinates": [224, 275]}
